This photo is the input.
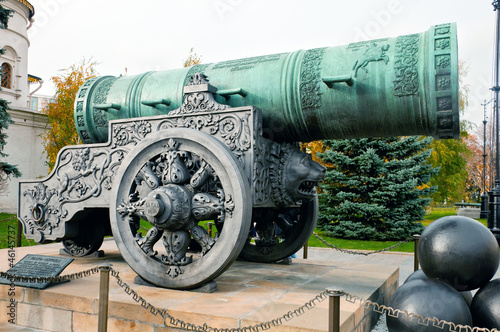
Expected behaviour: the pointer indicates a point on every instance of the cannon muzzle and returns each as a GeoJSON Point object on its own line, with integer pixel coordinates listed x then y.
{"type": "Point", "coordinates": [406, 85]}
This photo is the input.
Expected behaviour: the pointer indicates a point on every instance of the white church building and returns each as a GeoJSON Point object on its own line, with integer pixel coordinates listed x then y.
{"type": "Point", "coordinates": [24, 143]}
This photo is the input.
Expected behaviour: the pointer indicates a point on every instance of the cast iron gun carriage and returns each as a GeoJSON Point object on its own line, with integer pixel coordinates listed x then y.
{"type": "Point", "coordinates": [219, 142]}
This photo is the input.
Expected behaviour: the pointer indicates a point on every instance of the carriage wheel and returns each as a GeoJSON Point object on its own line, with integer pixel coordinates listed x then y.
{"type": "Point", "coordinates": [280, 233]}
{"type": "Point", "coordinates": [176, 179]}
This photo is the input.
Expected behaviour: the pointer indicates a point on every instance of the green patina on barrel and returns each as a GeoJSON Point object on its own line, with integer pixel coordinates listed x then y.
{"type": "Point", "coordinates": [406, 85]}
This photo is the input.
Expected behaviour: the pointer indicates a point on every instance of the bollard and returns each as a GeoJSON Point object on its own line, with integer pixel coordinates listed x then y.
{"type": "Point", "coordinates": [102, 325]}
{"type": "Point", "coordinates": [210, 225]}
{"type": "Point", "coordinates": [416, 237]}
{"type": "Point", "coordinates": [334, 309]}
{"type": "Point", "coordinates": [305, 250]}
{"type": "Point", "coordinates": [19, 242]}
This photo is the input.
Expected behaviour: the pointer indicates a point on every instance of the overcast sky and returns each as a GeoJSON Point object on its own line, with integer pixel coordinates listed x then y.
{"type": "Point", "coordinates": [158, 34]}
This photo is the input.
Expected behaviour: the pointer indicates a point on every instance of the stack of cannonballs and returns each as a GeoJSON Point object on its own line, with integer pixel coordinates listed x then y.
{"type": "Point", "coordinates": [457, 255]}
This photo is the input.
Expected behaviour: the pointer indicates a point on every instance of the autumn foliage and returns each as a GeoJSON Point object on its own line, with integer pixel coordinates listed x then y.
{"type": "Point", "coordinates": [61, 122]}
{"type": "Point", "coordinates": [192, 59]}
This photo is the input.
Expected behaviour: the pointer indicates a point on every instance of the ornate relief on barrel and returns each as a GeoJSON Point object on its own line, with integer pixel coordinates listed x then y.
{"type": "Point", "coordinates": [406, 65]}
{"type": "Point", "coordinates": [100, 97]}
{"type": "Point", "coordinates": [443, 62]}
{"type": "Point", "coordinates": [80, 106]}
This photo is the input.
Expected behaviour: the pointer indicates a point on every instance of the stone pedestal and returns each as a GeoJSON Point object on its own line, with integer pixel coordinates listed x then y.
{"type": "Point", "coordinates": [247, 294]}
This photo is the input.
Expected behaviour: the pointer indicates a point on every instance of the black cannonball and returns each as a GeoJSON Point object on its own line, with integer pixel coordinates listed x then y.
{"type": "Point", "coordinates": [485, 307]}
{"type": "Point", "coordinates": [428, 298]}
{"type": "Point", "coordinates": [467, 295]}
{"type": "Point", "coordinates": [460, 251]}
{"type": "Point", "coordinates": [419, 274]}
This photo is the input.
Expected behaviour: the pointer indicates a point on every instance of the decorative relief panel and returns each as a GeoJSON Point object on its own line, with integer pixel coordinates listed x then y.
{"type": "Point", "coordinates": [442, 29]}
{"type": "Point", "coordinates": [443, 64]}
{"type": "Point", "coordinates": [310, 79]}
{"type": "Point", "coordinates": [100, 97]}
{"type": "Point", "coordinates": [261, 164]}
{"type": "Point", "coordinates": [442, 44]}
{"type": "Point", "coordinates": [80, 173]}
{"type": "Point", "coordinates": [79, 106]}
{"type": "Point", "coordinates": [130, 133]}
{"type": "Point", "coordinates": [443, 61]}
{"type": "Point", "coordinates": [443, 82]}
{"type": "Point", "coordinates": [405, 65]}
{"type": "Point", "coordinates": [445, 120]}
{"type": "Point", "coordinates": [444, 103]}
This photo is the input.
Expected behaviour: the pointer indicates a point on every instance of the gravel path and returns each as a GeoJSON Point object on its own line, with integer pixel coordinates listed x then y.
{"type": "Point", "coordinates": [381, 325]}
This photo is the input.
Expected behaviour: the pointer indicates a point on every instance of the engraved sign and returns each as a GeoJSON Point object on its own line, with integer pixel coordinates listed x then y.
{"type": "Point", "coordinates": [37, 266]}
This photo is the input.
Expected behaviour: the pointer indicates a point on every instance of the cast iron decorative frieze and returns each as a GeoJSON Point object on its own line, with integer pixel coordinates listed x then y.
{"type": "Point", "coordinates": [405, 65]}
{"type": "Point", "coordinates": [261, 163]}
{"type": "Point", "coordinates": [124, 134]}
{"type": "Point", "coordinates": [45, 212]}
{"type": "Point", "coordinates": [81, 173]}
{"type": "Point", "coordinates": [198, 100]}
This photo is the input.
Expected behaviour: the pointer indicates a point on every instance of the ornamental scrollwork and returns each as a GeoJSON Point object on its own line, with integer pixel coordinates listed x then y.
{"type": "Point", "coordinates": [44, 210]}
{"type": "Point", "coordinates": [310, 79]}
{"type": "Point", "coordinates": [231, 129]}
{"type": "Point", "coordinates": [90, 172]}
{"type": "Point", "coordinates": [198, 101]}
{"type": "Point", "coordinates": [124, 134]}
{"type": "Point", "coordinates": [405, 65]}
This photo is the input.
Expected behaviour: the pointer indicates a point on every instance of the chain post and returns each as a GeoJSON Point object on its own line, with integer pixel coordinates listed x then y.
{"type": "Point", "coordinates": [19, 242]}
{"type": "Point", "coordinates": [416, 237]}
{"type": "Point", "coordinates": [210, 225]}
{"type": "Point", "coordinates": [102, 325]}
{"type": "Point", "coordinates": [304, 252]}
{"type": "Point", "coordinates": [334, 309]}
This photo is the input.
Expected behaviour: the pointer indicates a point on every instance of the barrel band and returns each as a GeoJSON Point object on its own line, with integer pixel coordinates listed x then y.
{"type": "Point", "coordinates": [445, 65]}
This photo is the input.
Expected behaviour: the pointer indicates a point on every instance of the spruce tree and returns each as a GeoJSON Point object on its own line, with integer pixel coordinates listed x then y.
{"type": "Point", "coordinates": [6, 169]}
{"type": "Point", "coordinates": [376, 189]}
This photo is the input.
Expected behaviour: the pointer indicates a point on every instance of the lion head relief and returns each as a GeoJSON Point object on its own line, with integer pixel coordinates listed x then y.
{"type": "Point", "coordinates": [294, 175]}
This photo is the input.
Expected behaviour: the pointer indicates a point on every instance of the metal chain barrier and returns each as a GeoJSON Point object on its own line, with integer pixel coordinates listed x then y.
{"type": "Point", "coordinates": [68, 277]}
{"type": "Point", "coordinates": [174, 322]}
{"type": "Point", "coordinates": [354, 252]}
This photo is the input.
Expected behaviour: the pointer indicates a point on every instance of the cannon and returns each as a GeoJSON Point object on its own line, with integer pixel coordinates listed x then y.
{"type": "Point", "coordinates": [165, 152]}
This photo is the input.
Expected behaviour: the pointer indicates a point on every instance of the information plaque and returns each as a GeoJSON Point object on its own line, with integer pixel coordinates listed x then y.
{"type": "Point", "coordinates": [37, 266]}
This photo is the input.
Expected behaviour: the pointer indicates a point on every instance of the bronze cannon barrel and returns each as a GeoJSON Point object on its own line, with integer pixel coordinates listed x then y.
{"type": "Point", "coordinates": [407, 85]}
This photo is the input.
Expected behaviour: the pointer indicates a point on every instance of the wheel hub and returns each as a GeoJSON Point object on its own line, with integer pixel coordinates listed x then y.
{"type": "Point", "coordinates": [169, 207]}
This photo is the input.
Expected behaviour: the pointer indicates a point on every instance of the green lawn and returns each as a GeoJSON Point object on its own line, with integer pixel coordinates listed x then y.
{"type": "Point", "coordinates": [437, 212]}
{"type": "Point", "coordinates": [7, 224]}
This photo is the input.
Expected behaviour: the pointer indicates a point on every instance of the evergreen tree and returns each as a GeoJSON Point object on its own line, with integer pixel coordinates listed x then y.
{"type": "Point", "coordinates": [6, 169]}
{"type": "Point", "coordinates": [376, 189]}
